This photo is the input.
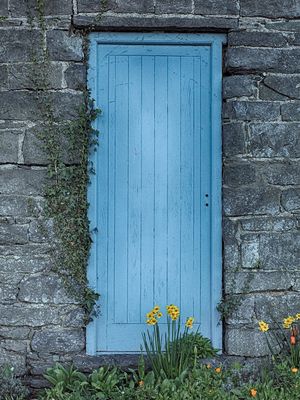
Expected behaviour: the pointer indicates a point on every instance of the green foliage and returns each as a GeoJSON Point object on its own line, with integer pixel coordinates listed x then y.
{"type": "Point", "coordinates": [66, 188]}
{"type": "Point", "coordinates": [203, 382]}
{"type": "Point", "coordinates": [67, 203]}
{"type": "Point", "coordinates": [11, 388]}
{"type": "Point", "coordinates": [170, 354]}
{"type": "Point", "coordinates": [67, 383]}
{"type": "Point", "coordinates": [201, 345]}
{"type": "Point", "coordinates": [231, 302]}
{"type": "Point", "coordinates": [283, 339]}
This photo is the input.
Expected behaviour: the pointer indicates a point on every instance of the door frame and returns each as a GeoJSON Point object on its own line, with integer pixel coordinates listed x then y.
{"type": "Point", "coordinates": [215, 41]}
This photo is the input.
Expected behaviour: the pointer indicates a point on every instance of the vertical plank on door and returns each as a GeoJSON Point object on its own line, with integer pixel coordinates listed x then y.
{"type": "Point", "coordinates": [161, 182]}
{"type": "Point", "coordinates": [197, 309]}
{"type": "Point", "coordinates": [134, 187]}
{"type": "Point", "coordinates": [147, 207]}
{"type": "Point", "coordinates": [173, 290]}
{"type": "Point", "coordinates": [186, 185]}
{"type": "Point", "coordinates": [121, 191]}
{"type": "Point", "coordinates": [111, 133]}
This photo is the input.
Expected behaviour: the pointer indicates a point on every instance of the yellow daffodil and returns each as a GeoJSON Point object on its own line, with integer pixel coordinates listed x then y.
{"type": "Point", "coordinates": [263, 326]}
{"type": "Point", "coordinates": [294, 370]}
{"type": "Point", "coordinates": [189, 322]}
{"type": "Point", "coordinates": [152, 321]}
{"type": "Point", "coordinates": [173, 311]}
{"type": "Point", "coordinates": [218, 370]}
{"type": "Point", "coordinates": [287, 322]}
{"type": "Point", "coordinates": [253, 392]}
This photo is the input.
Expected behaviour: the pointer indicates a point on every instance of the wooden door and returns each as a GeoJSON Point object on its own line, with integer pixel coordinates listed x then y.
{"type": "Point", "coordinates": [155, 198]}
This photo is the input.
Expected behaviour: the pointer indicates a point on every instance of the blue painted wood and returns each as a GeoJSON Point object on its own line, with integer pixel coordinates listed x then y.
{"type": "Point", "coordinates": [158, 166]}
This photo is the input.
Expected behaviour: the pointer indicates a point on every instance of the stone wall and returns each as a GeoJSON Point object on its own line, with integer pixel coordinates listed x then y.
{"type": "Point", "coordinates": [39, 322]}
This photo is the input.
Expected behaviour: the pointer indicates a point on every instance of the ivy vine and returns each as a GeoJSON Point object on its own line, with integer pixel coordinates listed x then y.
{"type": "Point", "coordinates": [66, 188]}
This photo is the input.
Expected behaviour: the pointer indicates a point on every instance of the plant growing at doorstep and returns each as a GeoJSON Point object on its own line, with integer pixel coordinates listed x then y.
{"type": "Point", "coordinates": [172, 353]}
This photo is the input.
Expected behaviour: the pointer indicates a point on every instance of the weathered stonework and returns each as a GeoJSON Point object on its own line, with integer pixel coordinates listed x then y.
{"type": "Point", "coordinates": [39, 322]}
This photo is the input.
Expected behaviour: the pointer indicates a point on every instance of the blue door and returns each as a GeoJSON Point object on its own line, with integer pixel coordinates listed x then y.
{"type": "Point", "coordinates": [156, 196]}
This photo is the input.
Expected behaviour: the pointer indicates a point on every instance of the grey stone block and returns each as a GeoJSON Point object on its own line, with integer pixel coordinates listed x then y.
{"type": "Point", "coordinates": [12, 233]}
{"type": "Point", "coordinates": [245, 342]}
{"type": "Point", "coordinates": [74, 318]}
{"type": "Point", "coordinates": [276, 306]}
{"type": "Point", "coordinates": [252, 110]}
{"type": "Point", "coordinates": [231, 257]}
{"type": "Point", "coordinates": [263, 59]}
{"type": "Point", "coordinates": [23, 76]}
{"type": "Point", "coordinates": [233, 139]}
{"type": "Point", "coordinates": [290, 200]}
{"type": "Point", "coordinates": [273, 140]}
{"type": "Point", "coordinates": [89, 363]}
{"type": "Point", "coordinates": [276, 224]}
{"type": "Point", "coordinates": [44, 289]}
{"type": "Point", "coordinates": [25, 264]}
{"type": "Point", "coordinates": [97, 6]}
{"type": "Point", "coordinates": [258, 281]}
{"type": "Point", "coordinates": [33, 315]}
{"type": "Point", "coordinates": [240, 85]}
{"type": "Point", "coordinates": [295, 40]}
{"type": "Point", "coordinates": [15, 205]}
{"type": "Point", "coordinates": [244, 313]}
{"type": "Point", "coordinates": [251, 200]}
{"type": "Point", "coordinates": [58, 341]}
{"type": "Point", "coordinates": [26, 105]}
{"type": "Point", "coordinates": [238, 174]}
{"type": "Point", "coordinates": [30, 250]}
{"type": "Point", "coordinates": [8, 294]}
{"type": "Point", "coordinates": [230, 230]}
{"type": "Point", "coordinates": [18, 333]}
{"type": "Point", "coordinates": [75, 76]}
{"type": "Point", "coordinates": [266, 93]}
{"type": "Point", "coordinates": [145, 22]}
{"type": "Point", "coordinates": [289, 26]}
{"type": "Point", "coordinates": [287, 85]}
{"type": "Point", "coordinates": [135, 6]}
{"type": "Point", "coordinates": [3, 76]}
{"type": "Point", "coordinates": [14, 359]}
{"type": "Point", "coordinates": [270, 8]}
{"type": "Point", "coordinates": [26, 181]}
{"type": "Point", "coordinates": [296, 283]}
{"type": "Point", "coordinates": [282, 173]}
{"type": "Point", "coordinates": [64, 47]}
{"type": "Point", "coordinates": [9, 146]}
{"type": "Point", "coordinates": [258, 39]}
{"type": "Point", "coordinates": [19, 346]}
{"type": "Point", "coordinates": [18, 44]}
{"type": "Point", "coordinates": [4, 8]}
{"type": "Point", "coordinates": [250, 253]}
{"type": "Point", "coordinates": [290, 112]}
{"type": "Point", "coordinates": [211, 7]}
{"type": "Point", "coordinates": [23, 8]}
{"type": "Point", "coordinates": [280, 251]}
{"type": "Point", "coordinates": [174, 6]}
